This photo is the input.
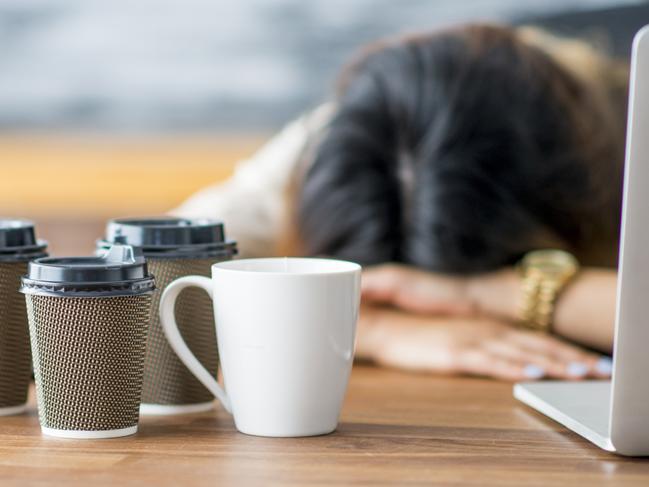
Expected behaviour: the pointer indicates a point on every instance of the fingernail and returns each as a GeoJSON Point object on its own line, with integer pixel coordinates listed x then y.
{"type": "Point", "coordinates": [604, 366]}
{"type": "Point", "coordinates": [533, 371]}
{"type": "Point", "coordinates": [577, 369]}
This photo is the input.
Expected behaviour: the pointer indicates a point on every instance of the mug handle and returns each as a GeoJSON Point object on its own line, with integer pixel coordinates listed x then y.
{"type": "Point", "coordinates": [175, 339]}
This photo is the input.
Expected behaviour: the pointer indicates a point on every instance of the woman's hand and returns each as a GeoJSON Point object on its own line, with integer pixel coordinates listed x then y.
{"type": "Point", "coordinates": [419, 291]}
{"type": "Point", "coordinates": [476, 346]}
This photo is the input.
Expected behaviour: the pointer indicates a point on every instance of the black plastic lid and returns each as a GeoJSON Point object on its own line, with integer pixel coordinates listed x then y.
{"type": "Point", "coordinates": [170, 237]}
{"type": "Point", "coordinates": [18, 241]}
{"type": "Point", "coordinates": [122, 271]}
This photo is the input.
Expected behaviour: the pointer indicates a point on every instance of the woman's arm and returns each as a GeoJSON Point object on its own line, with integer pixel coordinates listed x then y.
{"type": "Point", "coordinates": [585, 311]}
{"type": "Point", "coordinates": [470, 345]}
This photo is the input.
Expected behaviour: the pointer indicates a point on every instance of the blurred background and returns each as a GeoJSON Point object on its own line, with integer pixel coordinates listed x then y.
{"type": "Point", "coordinates": [127, 107]}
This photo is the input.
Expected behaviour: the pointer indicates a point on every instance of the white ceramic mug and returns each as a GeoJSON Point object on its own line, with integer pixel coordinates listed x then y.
{"type": "Point", "coordinates": [285, 329]}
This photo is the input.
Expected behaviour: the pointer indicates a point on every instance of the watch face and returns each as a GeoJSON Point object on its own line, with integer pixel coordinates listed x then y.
{"type": "Point", "coordinates": [551, 262]}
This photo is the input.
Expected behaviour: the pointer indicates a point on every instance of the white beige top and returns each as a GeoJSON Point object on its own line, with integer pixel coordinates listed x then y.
{"type": "Point", "coordinates": [252, 203]}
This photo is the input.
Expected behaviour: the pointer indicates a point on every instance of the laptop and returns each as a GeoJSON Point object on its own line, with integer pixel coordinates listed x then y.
{"type": "Point", "coordinates": [615, 414]}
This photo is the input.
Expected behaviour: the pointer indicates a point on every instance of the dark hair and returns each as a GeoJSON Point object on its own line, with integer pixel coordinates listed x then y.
{"type": "Point", "coordinates": [458, 152]}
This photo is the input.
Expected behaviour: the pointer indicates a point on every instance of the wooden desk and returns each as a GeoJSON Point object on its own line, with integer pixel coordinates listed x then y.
{"type": "Point", "coordinates": [396, 429]}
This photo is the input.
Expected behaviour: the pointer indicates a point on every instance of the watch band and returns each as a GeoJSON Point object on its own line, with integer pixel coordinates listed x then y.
{"type": "Point", "coordinates": [545, 275]}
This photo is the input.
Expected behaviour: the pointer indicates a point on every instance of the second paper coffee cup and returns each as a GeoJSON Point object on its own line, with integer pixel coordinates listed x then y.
{"type": "Point", "coordinates": [176, 247]}
{"type": "Point", "coordinates": [88, 320]}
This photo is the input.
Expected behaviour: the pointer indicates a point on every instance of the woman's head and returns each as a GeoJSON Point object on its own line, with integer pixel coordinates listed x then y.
{"type": "Point", "coordinates": [458, 152]}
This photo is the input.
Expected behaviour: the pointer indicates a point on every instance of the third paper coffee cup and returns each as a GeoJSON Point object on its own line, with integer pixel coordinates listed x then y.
{"type": "Point", "coordinates": [18, 245]}
{"type": "Point", "coordinates": [88, 320]}
{"type": "Point", "coordinates": [176, 247]}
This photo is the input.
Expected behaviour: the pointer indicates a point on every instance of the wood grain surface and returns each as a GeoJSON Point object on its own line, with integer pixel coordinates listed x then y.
{"type": "Point", "coordinates": [396, 429]}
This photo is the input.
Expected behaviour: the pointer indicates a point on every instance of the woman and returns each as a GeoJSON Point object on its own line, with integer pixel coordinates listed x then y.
{"type": "Point", "coordinates": [443, 160]}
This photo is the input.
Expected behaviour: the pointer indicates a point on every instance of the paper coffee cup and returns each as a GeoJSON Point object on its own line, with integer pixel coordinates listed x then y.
{"type": "Point", "coordinates": [18, 245]}
{"type": "Point", "coordinates": [176, 247]}
{"type": "Point", "coordinates": [88, 320]}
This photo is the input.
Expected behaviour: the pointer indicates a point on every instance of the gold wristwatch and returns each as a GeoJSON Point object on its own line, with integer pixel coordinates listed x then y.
{"type": "Point", "coordinates": [544, 273]}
